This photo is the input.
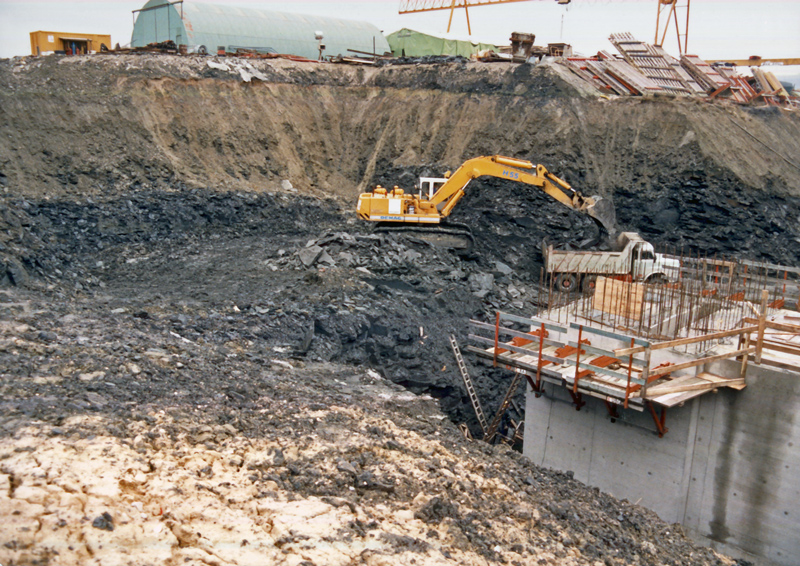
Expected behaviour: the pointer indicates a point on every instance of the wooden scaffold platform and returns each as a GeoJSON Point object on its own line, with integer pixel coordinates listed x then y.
{"type": "Point", "coordinates": [627, 371]}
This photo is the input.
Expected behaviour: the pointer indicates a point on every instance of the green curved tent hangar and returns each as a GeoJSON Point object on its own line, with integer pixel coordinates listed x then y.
{"type": "Point", "coordinates": [205, 27]}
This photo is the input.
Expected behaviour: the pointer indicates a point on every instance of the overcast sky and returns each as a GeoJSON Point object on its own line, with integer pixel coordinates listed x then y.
{"type": "Point", "coordinates": [718, 29]}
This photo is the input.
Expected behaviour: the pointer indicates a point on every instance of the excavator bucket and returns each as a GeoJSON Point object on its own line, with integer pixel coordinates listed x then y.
{"type": "Point", "coordinates": [604, 215]}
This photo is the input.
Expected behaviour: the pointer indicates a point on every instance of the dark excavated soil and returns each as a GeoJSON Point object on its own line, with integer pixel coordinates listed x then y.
{"type": "Point", "coordinates": [159, 266]}
{"type": "Point", "coordinates": [379, 301]}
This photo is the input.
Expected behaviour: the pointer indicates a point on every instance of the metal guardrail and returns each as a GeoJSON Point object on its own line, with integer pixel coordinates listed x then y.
{"type": "Point", "coordinates": [617, 375]}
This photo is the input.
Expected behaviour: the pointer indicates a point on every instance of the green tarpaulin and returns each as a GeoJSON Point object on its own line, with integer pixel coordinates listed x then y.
{"type": "Point", "coordinates": [410, 43]}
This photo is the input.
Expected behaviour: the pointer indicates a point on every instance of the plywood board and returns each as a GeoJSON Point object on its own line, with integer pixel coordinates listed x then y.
{"type": "Point", "coordinates": [619, 298]}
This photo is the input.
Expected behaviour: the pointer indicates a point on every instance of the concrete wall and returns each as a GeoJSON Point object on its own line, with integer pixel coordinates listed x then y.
{"type": "Point", "coordinates": [728, 469]}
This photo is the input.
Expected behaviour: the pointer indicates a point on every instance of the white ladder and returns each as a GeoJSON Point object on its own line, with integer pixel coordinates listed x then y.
{"type": "Point", "coordinates": [468, 383]}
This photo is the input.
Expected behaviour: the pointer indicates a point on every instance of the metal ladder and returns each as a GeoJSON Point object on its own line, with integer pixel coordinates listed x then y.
{"type": "Point", "coordinates": [492, 430]}
{"type": "Point", "coordinates": [468, 383]}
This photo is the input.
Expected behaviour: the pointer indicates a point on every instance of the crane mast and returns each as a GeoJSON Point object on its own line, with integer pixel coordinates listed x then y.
{"type": "Point", "coordinates": [669, 10]}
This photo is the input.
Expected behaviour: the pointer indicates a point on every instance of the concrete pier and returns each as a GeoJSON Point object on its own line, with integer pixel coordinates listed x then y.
{"type": "Point", "coordinates": [728, 469]}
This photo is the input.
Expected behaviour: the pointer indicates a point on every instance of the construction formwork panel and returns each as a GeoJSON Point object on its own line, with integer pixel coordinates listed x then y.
{"type": "Point", "coordinates": [619, 297]}
{"type": "Point", "coordinates": [651, 62]}
{"type": "Point", "coordinates": [703, 73]}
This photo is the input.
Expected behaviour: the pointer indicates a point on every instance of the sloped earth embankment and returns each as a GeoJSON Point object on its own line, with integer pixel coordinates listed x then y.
{"type": "Point", "coordinates": [167, 291]}
{"type": "Point", "coordinates": [99, 125]}
{"type": "Point", "coordinates": [687, 174]}
{"type": "Point", "coordinates": [135, 434]}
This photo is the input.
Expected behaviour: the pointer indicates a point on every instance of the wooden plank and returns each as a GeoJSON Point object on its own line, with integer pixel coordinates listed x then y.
{"type": "Point", "coordinates": [612, 388]}
{"type": "Point", "coordinates": [675, 381]}
{"type": "Point", "coordinates": [607, 394]}
{"type": "Point", "coordinates": [605, 371]}
{"type": "Point", "coordinates": [783, 327]}
{"type": "Point", "coordinates": [591, 349]}
{"type": "Point", "coordinates": [792, 328]}
{"type": "Point", "coordinates": [712, 377]}
{"type": "Point", "coordinates": [769, 345]}
{"type": "Point", "coordinates": [601, 352]}
{"type": "Point", "coordinates": [762, 321]}
{"type": "Point", "coordinates": [646, 371]}
{"type": "Point", "coordinates": [701, 361]}
{"type": "Point", "coordinates": [621, 352]}
{"type": "Point", "coordinates": [613, 394]}
{"type": "Point", "coordinates": [506, 360]}
{"type": "Point", "coordinates": [743, 370]}
{"type": "Point", "coordinates": [702, 385]}
{"type": "Point", "coordinates": [733, 383]}
{"type": "Point", "coordinates": [674, 399]}
{"type": "Point", "coordinates": [619, 298]}
{"type": "Point", "coordinates": [667, 388]}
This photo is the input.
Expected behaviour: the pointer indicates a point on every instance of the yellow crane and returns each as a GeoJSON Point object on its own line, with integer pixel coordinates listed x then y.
{"type": "Point", "coordinates": [416, 6]}
{"type": "Point", "coordinates": [756, 61]}
{"type": "Point", "coordinates": [670, 9]}
{"type": "Point", "coordinates": [670, 12]}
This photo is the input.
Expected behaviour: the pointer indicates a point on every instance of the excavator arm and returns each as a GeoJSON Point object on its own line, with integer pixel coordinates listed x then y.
{"type": "Point", "coordinates": [518, 170]}
{"type": "Point", "coordinates": [521, 171]}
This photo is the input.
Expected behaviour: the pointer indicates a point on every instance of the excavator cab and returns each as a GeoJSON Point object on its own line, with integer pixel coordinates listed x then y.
{"type": "Point", "coordinates": [429, 185]}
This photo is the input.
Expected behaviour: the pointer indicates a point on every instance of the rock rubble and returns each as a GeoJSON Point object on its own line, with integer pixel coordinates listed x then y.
{"type": "Point", "coordinates": [125, 442]}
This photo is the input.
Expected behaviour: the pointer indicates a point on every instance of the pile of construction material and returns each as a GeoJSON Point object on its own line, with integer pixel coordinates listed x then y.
{"type": "Point", "coordinates": [642, 69]}
{"type": "Point", "coordinates": [169, 47]}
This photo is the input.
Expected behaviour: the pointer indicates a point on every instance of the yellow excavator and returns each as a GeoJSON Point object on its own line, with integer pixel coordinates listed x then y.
{"type": "Point", "coordinates": [426, 211]}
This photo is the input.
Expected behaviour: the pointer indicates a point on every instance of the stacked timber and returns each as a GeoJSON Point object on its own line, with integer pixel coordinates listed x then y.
{"type": "Point", "coordinates": [642, 69]}
{"type": "Point", "coordinates": [636, 81]}
{"type": "Point", "coordinates": [770, 86]}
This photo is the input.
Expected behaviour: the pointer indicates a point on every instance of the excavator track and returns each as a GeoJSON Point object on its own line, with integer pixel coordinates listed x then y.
{"type": "Point", "coordinates": [451, 235]}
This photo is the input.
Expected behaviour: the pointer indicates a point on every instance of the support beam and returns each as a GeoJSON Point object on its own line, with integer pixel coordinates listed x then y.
{"type": "Point", "coordinates": [577, 398]}
{"type": "Point", "coordinates": [700, 362]}
{"type": "Point", "coordinates": [684, 341]}
{"type": "Point", "coordinates": [758, 61]}
{"type": "Point", "coordinates": [791, 328]}
{"type": "Point", "coordinates": [660, 421]}
{"type": "Point", "coordinates": [416, 6]}
{"type": "Point", "coordinates": [762, 324]}
{"type": "Point", "coordinates": [666, 389]}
